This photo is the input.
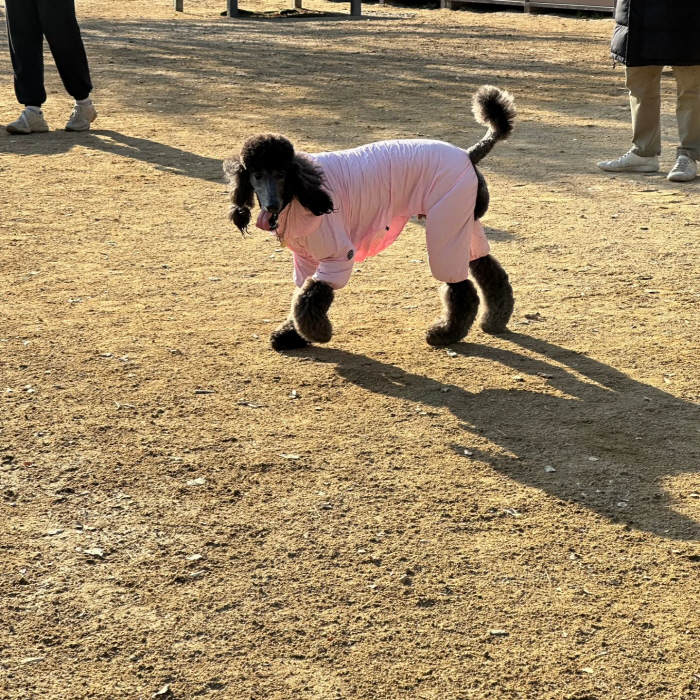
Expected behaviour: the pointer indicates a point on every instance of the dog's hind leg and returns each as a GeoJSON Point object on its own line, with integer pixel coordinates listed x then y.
{"type": "Point", "coordinates": [285, 337]}
{"type": "Point", "coordinates": [461, 303]}
{"type": "Point", "coordinates": [483, 197]}
{"type": "Point", "coordinates": [310, 311]}
{"type": "Point", "coordinates": [497, 292]}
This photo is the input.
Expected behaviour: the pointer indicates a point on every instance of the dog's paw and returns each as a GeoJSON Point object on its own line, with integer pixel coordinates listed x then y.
{"type": "Point", "coordinates": [493, 327]}
{"type": "Point", "coordinates": [441, 334]}
{"type": "Point", "coordinates": [285, 337]}
{"type": "Point", "coordinates": [495, 320]}
{"type": "Point", "coordinates": [315, 330]}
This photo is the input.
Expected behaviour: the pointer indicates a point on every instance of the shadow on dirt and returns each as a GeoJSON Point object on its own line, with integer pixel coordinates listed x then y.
{"type": "Point", "coordinates": [194, 69]}
{"type": "Point", "coordinates": [637, 435]}
{"type": "Point", "coordinates": [162, 157]}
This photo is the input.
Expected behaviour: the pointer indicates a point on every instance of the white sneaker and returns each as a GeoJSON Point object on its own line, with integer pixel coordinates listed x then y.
{"type": "Point", "coordinates": [684, 170]}
{"type": "Point", "coordinates": [29, 121]}
{"type": "Point", "coordinates": [82, 117]}
{"type": "Point", "coordinates": [630, 163]}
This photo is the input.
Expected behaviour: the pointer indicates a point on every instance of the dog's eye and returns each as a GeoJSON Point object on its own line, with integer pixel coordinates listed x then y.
{"type": "Point", "coordinates": [257, 176]}
{"type": "Point", "coordinates": [279, 175]}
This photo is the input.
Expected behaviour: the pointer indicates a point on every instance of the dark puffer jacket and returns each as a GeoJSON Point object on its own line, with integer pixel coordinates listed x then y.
{"type": "Point", "coordinates": [657, 33]}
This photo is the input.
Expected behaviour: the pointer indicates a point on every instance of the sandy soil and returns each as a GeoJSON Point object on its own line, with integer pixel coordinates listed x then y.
{"type": "Point", "coordinates": [392, 530]}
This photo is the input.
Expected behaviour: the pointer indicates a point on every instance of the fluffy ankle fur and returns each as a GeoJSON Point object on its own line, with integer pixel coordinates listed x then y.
{"type": "Point", "coordinates": [461, 303]}
{"type": "Point", "coordinates": [285, 337]}
{"type": "Point", "coordinates": [496, 291]}
{"type": "Point", "coordinates": [310, 311]}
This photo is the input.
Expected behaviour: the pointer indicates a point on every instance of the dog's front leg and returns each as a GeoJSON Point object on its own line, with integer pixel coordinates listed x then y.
{"type": "Point", "coordinates": [310, 311]}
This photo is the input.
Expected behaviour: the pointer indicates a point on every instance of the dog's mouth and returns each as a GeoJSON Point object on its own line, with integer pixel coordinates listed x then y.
{"type": "Point", "coordinates": [267, 221]}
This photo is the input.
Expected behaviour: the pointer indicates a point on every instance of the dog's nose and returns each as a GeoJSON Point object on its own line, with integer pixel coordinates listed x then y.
{"type": "Point", "coordinates": [273, 208]}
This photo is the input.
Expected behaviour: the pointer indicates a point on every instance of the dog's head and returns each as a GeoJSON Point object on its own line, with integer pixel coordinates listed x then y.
{"type": "Point", "coordinates": [269, 168]}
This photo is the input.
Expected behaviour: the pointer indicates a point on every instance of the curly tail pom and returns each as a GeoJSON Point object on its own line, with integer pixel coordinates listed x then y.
{"type": "Point", "coordinates": [495, 108]}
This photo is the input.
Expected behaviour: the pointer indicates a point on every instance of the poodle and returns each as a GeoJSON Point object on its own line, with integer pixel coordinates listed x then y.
{"type": "Point", "coordinates": [337, 208]}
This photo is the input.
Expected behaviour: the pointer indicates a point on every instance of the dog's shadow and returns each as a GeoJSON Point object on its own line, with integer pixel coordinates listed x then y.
{"type": "Point", "coordinates": [612, 440]}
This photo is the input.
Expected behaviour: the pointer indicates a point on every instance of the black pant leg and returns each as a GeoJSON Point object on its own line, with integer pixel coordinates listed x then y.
{"type": "Point", "coordinates": [62, 33]}
{"type": "Point", "coordinates": [26, 41]}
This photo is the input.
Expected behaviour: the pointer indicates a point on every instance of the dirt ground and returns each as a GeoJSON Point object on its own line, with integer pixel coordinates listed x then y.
{"type": "Point", "coordinates": [373, 519]}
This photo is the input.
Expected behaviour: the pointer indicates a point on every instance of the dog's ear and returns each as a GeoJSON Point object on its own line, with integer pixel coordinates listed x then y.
{"type": "Point", "coordinates": [306, 184]}
{"type": "Point", "coordinates": [241, 192]}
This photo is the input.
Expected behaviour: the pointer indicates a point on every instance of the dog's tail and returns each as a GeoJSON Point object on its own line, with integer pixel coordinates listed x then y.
{"type": "Point", "coordinates": [496, 109]}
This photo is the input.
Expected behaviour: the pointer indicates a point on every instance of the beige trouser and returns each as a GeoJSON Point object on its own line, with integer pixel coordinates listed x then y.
{"type": "Point", "coordinates": [644, 83]}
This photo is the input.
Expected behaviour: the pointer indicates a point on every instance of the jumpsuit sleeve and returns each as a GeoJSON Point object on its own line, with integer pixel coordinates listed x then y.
{"type": "Point", "coordinates": [336, 253]}
{"type": "Point", "coordinates": [336, 271]}
{"type": "Point", "coordinates": [303, 268]}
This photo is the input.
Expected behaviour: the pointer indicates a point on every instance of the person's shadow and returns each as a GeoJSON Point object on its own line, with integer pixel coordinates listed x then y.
{"type": "Point", "coordinates": [637, 435]}
{"type": "Point", "coordinates": [162, 157]}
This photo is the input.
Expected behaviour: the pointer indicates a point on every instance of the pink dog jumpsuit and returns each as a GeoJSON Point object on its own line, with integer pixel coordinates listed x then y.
{"type": "Point", "coordinates": [376, 189]}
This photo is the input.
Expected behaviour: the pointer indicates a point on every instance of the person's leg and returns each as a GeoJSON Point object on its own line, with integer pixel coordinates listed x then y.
{"type": "Point", "coordinates": [688, 118]}
{"type": "Point", "coordinates": [26, 42]}
{"type": "Point", "coordinates": [688, 110]}
{"type": "Point", "coordinates": [62, 32]}
{"type": "Point", "coordinates": [644, 84]}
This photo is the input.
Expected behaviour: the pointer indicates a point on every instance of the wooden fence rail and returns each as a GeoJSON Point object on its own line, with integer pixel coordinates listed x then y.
{"type": "Point", "coordinates": [534, 5]}
{"type": "Point", "coordinates": [232, 7]}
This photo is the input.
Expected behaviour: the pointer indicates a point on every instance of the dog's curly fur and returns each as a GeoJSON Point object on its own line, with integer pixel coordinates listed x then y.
{"type": "Point", "coordinates": [494, 108]}
{"type": "Point", "coordinates": [285, 337]}
{"type": "Point", "coordinates": [303, 178]}
{"type": "Point", "coordinates": [497, 292]}
{"type": "Point", "coordinates": [310, 311]}
{"type": "Point", "coordinates": [460, 303]}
